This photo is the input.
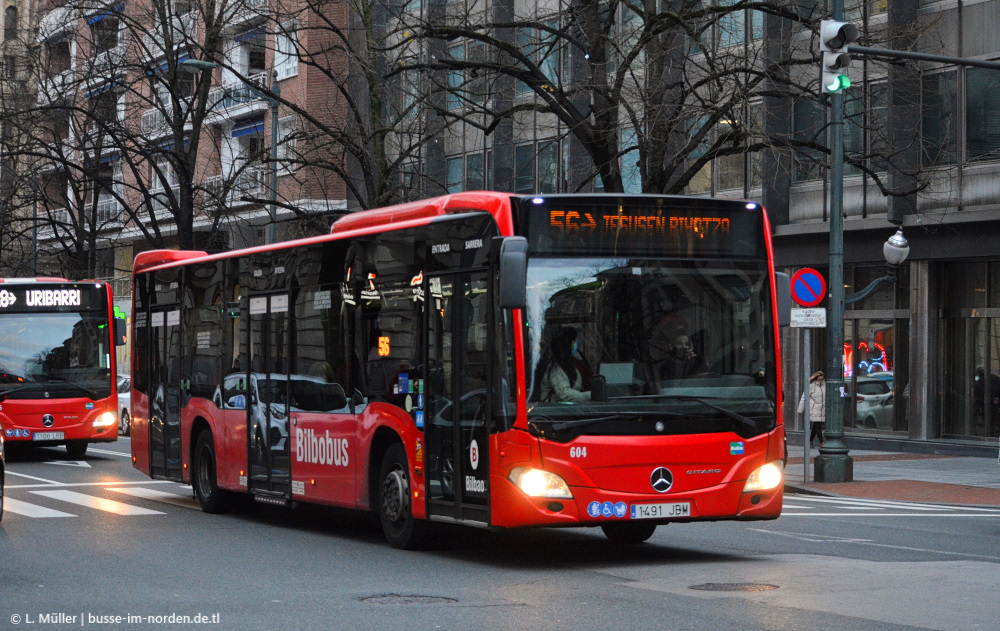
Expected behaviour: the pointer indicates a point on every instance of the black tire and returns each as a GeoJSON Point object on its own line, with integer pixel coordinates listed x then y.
{"type": "Point", "coordinates": [124, 423]}
{"type": "Point", "coordinates": [76, 448]}
{"type": "Point", "coordinates": [1, 492]}
{"type": "Point", "coordinates": [628, 533]}
{"type": "Point", "coordinates": [394, 508]}
{"type": "Point", "coordinates": [204, 479]}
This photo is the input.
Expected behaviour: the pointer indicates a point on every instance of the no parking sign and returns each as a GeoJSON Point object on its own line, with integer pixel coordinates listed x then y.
{"type": "Point", "coordinates": [808, 287]}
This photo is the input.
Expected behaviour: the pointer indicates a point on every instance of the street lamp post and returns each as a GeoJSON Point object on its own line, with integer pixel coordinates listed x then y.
{"type": "Point", "coordinates": [273, 99]}
{"type": "Point", "coordinates": [833, 464]}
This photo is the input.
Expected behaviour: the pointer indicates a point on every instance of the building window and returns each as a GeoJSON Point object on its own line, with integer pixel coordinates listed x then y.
{"type": "Point", "coordinates": [475, 173]}
{"type": "Point", "coordinates": [456, 79]}
{"type": "Point", "coordinates": [982, 127]}
{"type": "Point", "coordinates": [454, 183]}
{"type": "Point", "coordinates": [631, 174]}
{"type": "Point", "coordinates": [524, 168]}
{"type": "Point", "coordinates": [807, 120]}
{"type": "Point", "coordinates": [10, 24]}
{"type": "Point", "coordinates": [285, 150]}
{"type": "Point", "coordinates": [286, 57]}
{"type": "Point", "coordinates": [939, 120]}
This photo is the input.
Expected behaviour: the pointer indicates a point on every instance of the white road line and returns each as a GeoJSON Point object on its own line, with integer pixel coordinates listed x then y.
{"type": "Point", "coordinates": [873, 503]}
{"type": "Point", "coordinates": [893, 503]}
{"type": "Point", "coordinates": [98, 503]}
{"type": "Point", "coordinates": [160, 496]}
{"type": "Point", "coordinates": [31, 510]}
{"type": "Point", "coordinates": [68, 484]}
{"type": "Point", "coordinates": [30, 477]}
{"type": "Point", "coordinates": [994, 515]}
{"type": "Point", "coordinates": [108, 451]}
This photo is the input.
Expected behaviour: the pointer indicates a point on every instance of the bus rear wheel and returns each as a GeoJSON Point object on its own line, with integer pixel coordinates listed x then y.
{"type": "Point", "coordinates": [628, 533]}
{"type": "Point", "coordinates": [206, 485]}
{"type": "Point", "coordinates": [394, 506]}
{"type": "Point", "coordinates": [76, 449]}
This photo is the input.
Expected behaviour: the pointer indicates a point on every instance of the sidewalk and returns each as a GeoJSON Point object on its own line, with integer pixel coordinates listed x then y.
{"type": "Point", "coordinates": [904, 476]}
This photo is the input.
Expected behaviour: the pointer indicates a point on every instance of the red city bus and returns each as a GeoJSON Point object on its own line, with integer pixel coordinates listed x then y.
{"type": "Point", "coordinates": [57, 363]}
{"type": "Point", "coordinates": [408, 364]}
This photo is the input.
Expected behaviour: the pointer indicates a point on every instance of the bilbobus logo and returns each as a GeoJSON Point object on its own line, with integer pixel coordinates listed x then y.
{"type": "Point", "coordinates": [320, 449]}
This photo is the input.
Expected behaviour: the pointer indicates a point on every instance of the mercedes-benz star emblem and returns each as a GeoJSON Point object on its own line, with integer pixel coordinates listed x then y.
{"type": "Point", "coordinates": [48, 420]}
{"type": "Point", "coordinates": [661, 479]}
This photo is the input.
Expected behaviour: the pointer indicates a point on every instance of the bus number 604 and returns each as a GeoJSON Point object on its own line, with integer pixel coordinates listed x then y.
{"type": "Point", "coordinates": [577, 452]}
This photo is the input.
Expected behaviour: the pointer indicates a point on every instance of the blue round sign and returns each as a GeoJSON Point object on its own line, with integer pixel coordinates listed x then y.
{"type": "Point", "coordinates": [808, 287]}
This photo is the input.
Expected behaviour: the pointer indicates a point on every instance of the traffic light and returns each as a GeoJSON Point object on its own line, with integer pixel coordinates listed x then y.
{"type": "Point", "coordinates": [833, 40]}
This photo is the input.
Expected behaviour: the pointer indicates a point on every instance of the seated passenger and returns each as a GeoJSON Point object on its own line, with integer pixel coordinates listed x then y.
{"type": "Point", "coordinates": [561, 380]}
{"type": "Point", "coordinates": [682, 360]}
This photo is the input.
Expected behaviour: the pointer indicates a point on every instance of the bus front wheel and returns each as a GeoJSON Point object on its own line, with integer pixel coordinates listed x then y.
{"type": "Point", "coordinates": [206, 485]}
{"type": "Point", "coordinates": [628, 534]}
{"type": "Point", "coordinates": [394, 504]}
{"type": "Point", "coordinates": [76, 449]}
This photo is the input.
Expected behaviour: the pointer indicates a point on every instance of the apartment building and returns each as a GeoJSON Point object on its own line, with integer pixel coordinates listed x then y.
{"type": "Point", "coordinates": [155, 121]}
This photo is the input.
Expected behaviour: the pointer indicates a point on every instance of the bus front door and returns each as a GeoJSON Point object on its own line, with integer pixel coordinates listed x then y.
{"type": "Point", "coordinates": [456, 424]}
{"type": "Point", "coordinates": [268, 396]}
{"type": "Point", "coordinates": [165, 395]}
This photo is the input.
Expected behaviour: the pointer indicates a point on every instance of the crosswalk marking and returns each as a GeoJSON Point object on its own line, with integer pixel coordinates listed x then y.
{"type": "Point", "coordinates": [99, 503]}
{"type": "Point", "coordinates": [160, 496]}
{"type": "Point", "coordinates": [11, 505]}
{"type": "Point", "coordinates": [812, 506]}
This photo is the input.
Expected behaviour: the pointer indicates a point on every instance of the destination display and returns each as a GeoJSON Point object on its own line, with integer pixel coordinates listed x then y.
{"type": "Point", "coordinates": [36, 298]}
{"type": "Point", "coordinates": [632, 227]}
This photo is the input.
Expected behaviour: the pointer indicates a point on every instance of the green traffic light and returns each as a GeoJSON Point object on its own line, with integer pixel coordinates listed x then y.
{"type": "Point", "coordinates": [840, 82]}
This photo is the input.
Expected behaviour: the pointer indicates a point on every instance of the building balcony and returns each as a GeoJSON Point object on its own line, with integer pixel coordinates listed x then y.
{"type": "Point", "coordinates": [235, 93]}
{"type": "Point", "coordinates": [240, 13]}
{"type": "Point", "coordinates": [56, 88]}
{"type": "Point", "coordinates": [60, 216]}
{"type": "Point", "coordinates": [182, 30]}
{"type": "Point", "coordinates": [252, 182]}
{"type": "Point", "coordinates": [109, 214]}
{"type": "Point", "coordinates": [57, 22]}
{"type": "Point", "coordinates": [161, 202]}
{"type": "Point", "coordinates": [110, 60]}
{"type": "Point", "coordinates": [155, 121]}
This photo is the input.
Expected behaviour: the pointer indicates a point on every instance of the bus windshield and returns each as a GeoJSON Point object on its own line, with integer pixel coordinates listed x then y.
{"type": "Point", "coordinates": [681, 346]}
{"type": "Point", "coordinates": [66, 353]}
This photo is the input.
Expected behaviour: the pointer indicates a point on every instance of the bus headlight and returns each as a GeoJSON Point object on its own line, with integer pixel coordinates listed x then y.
{"type": "Point", "coordinates": [538, 483]}
{"type": "Point", "coordinates": [105, 420]}
{"type": "Point", "coordinates": [764, 479]}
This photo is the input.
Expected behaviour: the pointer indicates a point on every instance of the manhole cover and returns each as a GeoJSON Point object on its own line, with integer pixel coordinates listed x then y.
{"type": "Point", "coordinates": [401, 599]}
{"type": "Point", "coordinates": [734, 587]}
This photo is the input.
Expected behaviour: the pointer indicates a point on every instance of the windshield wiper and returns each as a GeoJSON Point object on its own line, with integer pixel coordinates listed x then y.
{"type": "Point", "coordinates": [91, 393]}
{"type": "Point", "coordinates": [736, 416]}
{"type": "Point", "coordinates": [4, 393]}
{"type": "Point", "coordinates": [623, 415]}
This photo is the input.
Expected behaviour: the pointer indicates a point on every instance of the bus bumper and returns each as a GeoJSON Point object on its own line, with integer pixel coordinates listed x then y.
{"type": "Point", "coordinates": [511, 508]}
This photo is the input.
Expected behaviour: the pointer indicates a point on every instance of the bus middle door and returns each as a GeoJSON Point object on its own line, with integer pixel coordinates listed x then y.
{"type": "Point", "coordinates": [456, 426]}
{"type": "Point", "coordinates": [268, 396]}
{"type": "Point", "coordinates": [165, 394]}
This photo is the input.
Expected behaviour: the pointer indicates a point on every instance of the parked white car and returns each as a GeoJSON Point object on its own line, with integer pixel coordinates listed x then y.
{"type": "Point", "coordinates": [874, 403]}
{"type": "Point", "coordinates": [124, 405]}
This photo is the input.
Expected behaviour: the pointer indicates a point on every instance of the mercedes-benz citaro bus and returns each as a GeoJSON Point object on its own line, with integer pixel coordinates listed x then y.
{"type": "Point", "coordinates": [481, 358]}
{"type": "Point", "coordinates": [57, 363]}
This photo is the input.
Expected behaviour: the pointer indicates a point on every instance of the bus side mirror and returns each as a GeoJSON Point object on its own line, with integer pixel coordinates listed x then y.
{"type": "Point", "coordinates": [514, 273]}
{"type": "Point", "coordinates": [783, 289]}
{"type": "Point", "coordinates": [121, 327]}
